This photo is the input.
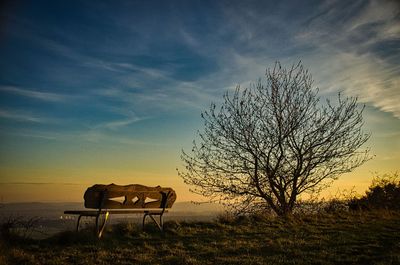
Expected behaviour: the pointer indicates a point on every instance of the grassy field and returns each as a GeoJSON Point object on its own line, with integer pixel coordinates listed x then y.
{"type": "Point", "coordinates": [341, 238]}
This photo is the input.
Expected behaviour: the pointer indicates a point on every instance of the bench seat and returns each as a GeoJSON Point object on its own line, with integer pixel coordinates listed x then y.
{"type": "Point", "coordinates": [130, 211]}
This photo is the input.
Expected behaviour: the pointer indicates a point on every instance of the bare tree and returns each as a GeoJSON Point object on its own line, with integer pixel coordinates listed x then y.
{"type": "Point", "coordinates": [271, 142]}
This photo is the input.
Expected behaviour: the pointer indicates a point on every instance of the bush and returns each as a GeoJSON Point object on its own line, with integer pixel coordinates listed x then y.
{"type": "Point", "coordinates": [384, 193]}
{"type": "Point", "coordinates": [18, 228]}
{"type": "Point", "coordinates": [226, 218]}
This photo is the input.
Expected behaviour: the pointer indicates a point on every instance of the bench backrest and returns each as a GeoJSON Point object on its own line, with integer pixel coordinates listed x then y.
{"type": "Point", "coordinates": [128, 197]}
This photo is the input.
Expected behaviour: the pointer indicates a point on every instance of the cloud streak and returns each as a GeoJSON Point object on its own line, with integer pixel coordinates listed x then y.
{"type": "Point", "coordinates": [24, 117]}
{"type": "Point", "coordinates": [44, 96]}
{"type": "Point", "coordinates": [349, 47]}
{"type": "Point", "coordinates": [355, 56]}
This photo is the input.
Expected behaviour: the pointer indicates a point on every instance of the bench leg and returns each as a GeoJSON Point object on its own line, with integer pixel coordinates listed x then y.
{"type": "Point", "coordinates": [99, 230]}
{"type": "Point", "coordinates": [144, 220]}
{"type": "Point", "coordinates": [159, 224]}
{"type": "Point", "coordinates": [77, 224]}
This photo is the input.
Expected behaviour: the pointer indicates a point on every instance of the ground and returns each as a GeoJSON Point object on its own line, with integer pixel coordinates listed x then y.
{"type": "Point", "coordinates": [340, 238]}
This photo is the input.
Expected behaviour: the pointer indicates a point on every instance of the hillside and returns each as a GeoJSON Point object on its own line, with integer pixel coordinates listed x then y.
{"type": "Point", "coordinates": [341, 238]}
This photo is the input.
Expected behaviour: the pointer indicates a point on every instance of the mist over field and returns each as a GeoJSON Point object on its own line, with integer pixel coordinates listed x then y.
{"type": "Point", "coordinates": [50, 217]}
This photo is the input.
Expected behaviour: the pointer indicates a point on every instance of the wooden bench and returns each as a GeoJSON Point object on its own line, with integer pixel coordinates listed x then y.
{"type": "Point", "coordinates": [129, 199]}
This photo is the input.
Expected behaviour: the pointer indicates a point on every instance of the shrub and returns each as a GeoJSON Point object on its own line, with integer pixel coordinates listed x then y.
{"type": "Point", "coordinates": [384, 193]}
{"type": "Point", "coordinates": [18, 227]}
{"type": "Point", "coordinates": [226, 218]}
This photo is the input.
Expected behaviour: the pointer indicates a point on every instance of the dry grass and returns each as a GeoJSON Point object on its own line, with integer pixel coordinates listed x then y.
{"type": "Point", "coordinates": [342, 238]}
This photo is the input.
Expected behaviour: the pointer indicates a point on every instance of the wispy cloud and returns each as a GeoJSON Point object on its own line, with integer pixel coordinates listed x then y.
{"type": "Point", "coordinates": [116, 124]}
{"type": "Point", "coordinates": [113, 125]}
{"type": "Point", "coordinates": [45, 96]}
{"type": "Point", "coordinates": [349, 47]}
{"type": "Point", "coordinates": [88, 135]}
{"type": "Point", "coordinates": [24, 117]}
{"type": "Point", "coordinates": [100, 136]}
{"type": "Point", "coordinates": [354, 55]}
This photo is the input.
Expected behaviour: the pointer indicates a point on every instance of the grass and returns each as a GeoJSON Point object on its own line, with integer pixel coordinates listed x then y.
{"type": "Point", "coordinates": [341, 238]}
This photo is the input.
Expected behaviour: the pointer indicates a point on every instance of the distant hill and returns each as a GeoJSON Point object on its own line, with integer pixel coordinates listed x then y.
{"type": "Point", "coordinates": [55, 210]}
{"type": "Point", "coordinates": [198, 209]}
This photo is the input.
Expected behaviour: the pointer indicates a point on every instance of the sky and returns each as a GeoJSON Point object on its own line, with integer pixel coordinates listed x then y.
{"type": "Point", "coordinates": [112, 91]}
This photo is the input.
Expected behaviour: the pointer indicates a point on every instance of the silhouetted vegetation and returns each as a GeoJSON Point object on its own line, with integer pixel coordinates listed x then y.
{"type": "Point", "coordinates": [270, 143]}
{"type": "Point", "coordinates": [384, 193]}
{"type": "Point", "coordinates": [13, 228]}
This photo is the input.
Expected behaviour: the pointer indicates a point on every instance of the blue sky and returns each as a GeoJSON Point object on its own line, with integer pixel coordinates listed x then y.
{"type": "Point", "coordinates": [112, 90]}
